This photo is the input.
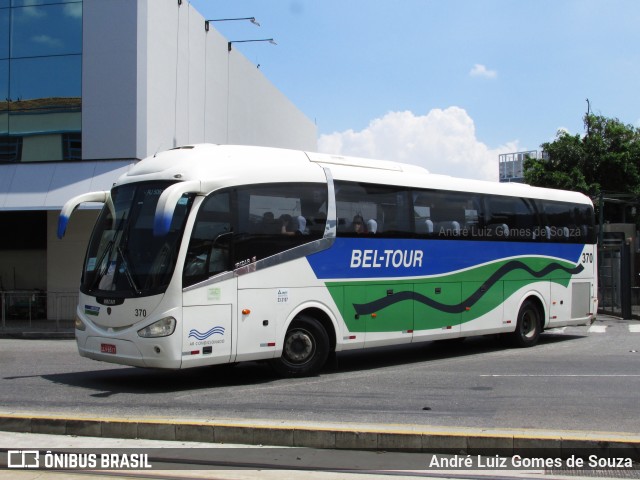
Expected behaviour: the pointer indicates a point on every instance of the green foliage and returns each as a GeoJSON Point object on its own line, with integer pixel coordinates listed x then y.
{"type": "Point", "coordinates": [606, 158]}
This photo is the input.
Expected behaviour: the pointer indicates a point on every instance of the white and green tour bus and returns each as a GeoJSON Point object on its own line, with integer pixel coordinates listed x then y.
{"type": "Point", "coordinates": [209, 254]}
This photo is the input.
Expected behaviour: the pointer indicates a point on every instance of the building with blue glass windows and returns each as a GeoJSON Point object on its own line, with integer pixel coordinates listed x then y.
{"type": "Point", "coordinates": [88, 88]}
{"type": "Point", "coordinates": [40, 80]}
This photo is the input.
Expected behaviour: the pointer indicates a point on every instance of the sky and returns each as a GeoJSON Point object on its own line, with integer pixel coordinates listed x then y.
{"type": "Point", "coordinates": [445, 84]}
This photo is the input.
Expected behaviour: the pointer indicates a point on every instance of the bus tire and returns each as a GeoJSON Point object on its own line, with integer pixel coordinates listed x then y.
{"type": "Point", "coordinates": [305, 348]}
{"type": "Point", "coordinates": [528, 326]}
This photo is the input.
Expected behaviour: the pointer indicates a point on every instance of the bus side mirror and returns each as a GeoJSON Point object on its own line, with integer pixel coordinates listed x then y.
{"type": "Point", "coordinates": [69, 207]}
{"type": "Point", "coordinates": [167, 205]}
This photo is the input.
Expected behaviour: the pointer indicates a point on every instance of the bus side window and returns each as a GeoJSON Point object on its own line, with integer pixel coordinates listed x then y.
{"type": "Point", "coordinates": [584, 221]}
{"type": "Point", "coordinates": [286, 215]}
{"type": "Point", "coordinates": [441, 214]}
{"type": "Point", "coordinates": [511, 218]}
{"type": "Point", "coordinates": [423, 225]}
{"type": "Point", "coordinates": [372, 209]}
{"type": "Point", "coordinates": [567, 222]}
{"type": "Point", "coordinates": [316, 224]}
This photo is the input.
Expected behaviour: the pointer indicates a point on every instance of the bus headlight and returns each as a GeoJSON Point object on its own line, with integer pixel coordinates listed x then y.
{"type": "Point", "coordinates": [79, 324]}
{"type": "Point", "coordinates": [162, 328]}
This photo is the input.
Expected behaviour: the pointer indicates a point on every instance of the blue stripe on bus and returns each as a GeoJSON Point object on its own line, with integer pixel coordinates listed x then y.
{"type": "Point", "coordinates": [379, 257]}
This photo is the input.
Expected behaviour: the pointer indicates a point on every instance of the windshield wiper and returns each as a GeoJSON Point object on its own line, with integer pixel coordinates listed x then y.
{"type": "Point", "coordinates": [103, 270]}
{"type": "Point", "coordinates": [127, 273]}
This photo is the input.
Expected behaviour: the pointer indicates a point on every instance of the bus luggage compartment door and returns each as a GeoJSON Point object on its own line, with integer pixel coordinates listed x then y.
{"type": "Point", "coordinates": [381, 311]}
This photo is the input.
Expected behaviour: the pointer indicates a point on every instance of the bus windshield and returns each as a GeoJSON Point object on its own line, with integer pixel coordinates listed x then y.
{"type": "Point", "coordinates": [124, 258]}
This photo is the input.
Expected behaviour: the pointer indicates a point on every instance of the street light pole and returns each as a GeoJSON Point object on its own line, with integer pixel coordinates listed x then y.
{"type": "Point", "coordinates": [251, 19]}
{"type": "Point", "coordinates": [270, 40]}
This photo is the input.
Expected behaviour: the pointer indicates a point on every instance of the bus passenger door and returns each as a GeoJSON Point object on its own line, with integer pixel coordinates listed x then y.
{"type": "Point", "coordinates": [383, 312]}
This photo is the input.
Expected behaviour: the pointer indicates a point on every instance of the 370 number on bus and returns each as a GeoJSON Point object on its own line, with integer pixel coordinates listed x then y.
{"type": "Point", "coordinates": [587, 258]}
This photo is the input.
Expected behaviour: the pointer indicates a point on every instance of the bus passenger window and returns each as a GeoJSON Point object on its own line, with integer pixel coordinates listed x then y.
{"type": "Point", "coordinates": [511, 218]}
{"type": "Point", "coordinates": [269, 224]}
{"type": "Point", "coordinates": [273, 218]}
{"type": "Point", "coordinates": [443, 214]}
{"type": "Point", "coordinates": [567, 222]}
{"type": "Point", "coordinates": [372, 209]}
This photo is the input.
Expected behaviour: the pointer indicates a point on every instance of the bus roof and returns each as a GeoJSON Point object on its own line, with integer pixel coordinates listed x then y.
{"type": "Point", "coordinates": [218, 166]}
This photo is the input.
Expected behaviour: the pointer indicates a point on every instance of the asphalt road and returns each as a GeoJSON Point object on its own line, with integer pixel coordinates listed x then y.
{"type": "Point", "coordinates": [580, 378]}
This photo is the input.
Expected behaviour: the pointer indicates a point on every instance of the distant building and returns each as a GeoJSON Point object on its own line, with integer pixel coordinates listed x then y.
{"type": "Point", "coordinates": [511, 165]}
{"type": "Point", "coordinates": [87, 89]}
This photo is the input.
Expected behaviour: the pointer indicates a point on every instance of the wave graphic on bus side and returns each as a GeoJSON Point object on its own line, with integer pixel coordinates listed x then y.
{"type": "Point", "coordinates": [444, 300]}
{"type": "Point", "coordinates": [376, 305]}
{"type": "Point", "coordinates": [193, 333]}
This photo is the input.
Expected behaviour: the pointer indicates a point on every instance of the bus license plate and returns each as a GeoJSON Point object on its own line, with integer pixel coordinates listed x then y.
{"type": "Point", "coordinates": [107, 348]}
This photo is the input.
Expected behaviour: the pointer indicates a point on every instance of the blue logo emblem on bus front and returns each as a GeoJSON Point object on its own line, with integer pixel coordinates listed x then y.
{"type": "Point", "coordinates": [193, 333]}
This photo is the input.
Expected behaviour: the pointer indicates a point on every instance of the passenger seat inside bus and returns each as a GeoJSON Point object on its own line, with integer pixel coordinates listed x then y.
{"type": "Point", "coordinates": [424, 226]}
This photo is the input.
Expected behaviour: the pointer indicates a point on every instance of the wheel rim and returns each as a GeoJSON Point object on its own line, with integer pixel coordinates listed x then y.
{"type": "Point", "coordinates": [299, 347]}
{"type": "Point", "coordinates": [529, 326]}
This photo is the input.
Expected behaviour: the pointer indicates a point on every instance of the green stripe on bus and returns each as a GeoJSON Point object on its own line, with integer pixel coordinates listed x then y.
{"type": "Point", "coordinates": [441, 301]}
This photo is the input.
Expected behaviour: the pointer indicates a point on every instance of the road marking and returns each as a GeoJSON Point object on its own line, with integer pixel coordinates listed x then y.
{"type": "Point", "coordinates": [556, 330]}
{"type": "Point", "coordinates": [597, 329]}
{"type": "Point", "coordinates": [634, 328]}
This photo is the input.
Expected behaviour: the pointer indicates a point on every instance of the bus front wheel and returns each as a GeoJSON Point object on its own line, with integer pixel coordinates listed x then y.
{"type": "Point", "coordinates": [305, 348]}
{"type": "Point", "coordinates": [528, 326]}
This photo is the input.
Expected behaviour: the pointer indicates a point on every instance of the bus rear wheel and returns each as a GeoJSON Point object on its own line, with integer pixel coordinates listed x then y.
{"type": "Point", "coordinates": [528, 326]}
{"type": "Point", "coordinates": [305, 348]}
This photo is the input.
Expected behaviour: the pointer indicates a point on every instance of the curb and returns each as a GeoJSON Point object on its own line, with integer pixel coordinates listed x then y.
{"type": "Point", "coordinates": [400, 438]}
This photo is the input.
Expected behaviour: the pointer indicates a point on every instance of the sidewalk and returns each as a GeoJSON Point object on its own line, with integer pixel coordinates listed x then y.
{"type": "Point", "coordinates": [338, 435]}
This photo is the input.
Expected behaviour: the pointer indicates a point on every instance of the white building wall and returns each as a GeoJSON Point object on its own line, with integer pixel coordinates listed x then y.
{"type": "Point", "coordinates": [217, 94]}
{"type": "Point", "coordinates": [166, 63]}
{"type": "Point", "coordinates": [213, 95]}
{"type": "Point", "coordinates": [154, 79]}
{"type": "Point", "coordinates": [259, 114]}
{"type": "Point", "coordinates": [109, 79]}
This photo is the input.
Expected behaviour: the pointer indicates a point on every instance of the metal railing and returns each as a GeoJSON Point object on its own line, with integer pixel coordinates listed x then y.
{"type": "Point", "coordinates": [29, 309]}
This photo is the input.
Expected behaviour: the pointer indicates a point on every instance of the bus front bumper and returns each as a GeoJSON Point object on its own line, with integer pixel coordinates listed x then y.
{"type": "Point", "coordinates": [121, 351]}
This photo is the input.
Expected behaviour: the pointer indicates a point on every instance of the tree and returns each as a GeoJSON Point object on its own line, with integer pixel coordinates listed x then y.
{"type": "Point", "coordinates": [605, 159]}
